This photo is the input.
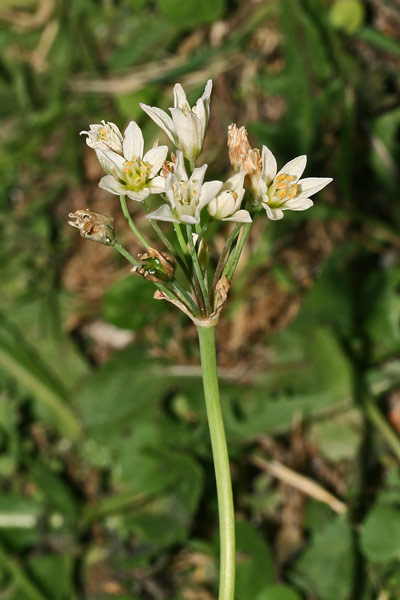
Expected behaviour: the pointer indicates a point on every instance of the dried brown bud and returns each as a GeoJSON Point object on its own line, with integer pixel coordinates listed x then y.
{"type": "Point", "coordinates": [243, 157]}
{"type": "Point", "coordinates": [238, 146]}
{"type": "Point", "coordinates": [93, 226]}
{"type": "Point", "coordinates": [155, 266]}
{"type": "Point", "coordinates": [168, 166]}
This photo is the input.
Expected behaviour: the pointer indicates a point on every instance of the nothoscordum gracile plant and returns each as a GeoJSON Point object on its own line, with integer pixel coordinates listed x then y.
{"type": "Point", "coordinates": [180, 268]}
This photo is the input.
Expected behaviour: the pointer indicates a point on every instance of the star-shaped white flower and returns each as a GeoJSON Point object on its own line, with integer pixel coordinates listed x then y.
{"type": "Point", "coordinates": [131, 173]}
{"type": "Point", "coordinates": [186, 128]}
{"type": "Point", "coordinates": [277, 192]}
{"type": "Point", "coordinates": [226, 206]}
{"type": "Point", "coordinates": [104, 135]}
{"type": "Point", "coordinates": [186, 197]}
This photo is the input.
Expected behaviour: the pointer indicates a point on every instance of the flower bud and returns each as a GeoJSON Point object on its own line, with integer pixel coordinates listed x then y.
{"type": "Point", "coordinates": [203, 255]}
{"type": "Point", "coordinates": [155, 266]}
{"type": "Point", "coordinates": [226, 205]}
{"type": "Point", "coordinates": [93, 226]}
{"type": "Point", "coordinates": [202, 250]}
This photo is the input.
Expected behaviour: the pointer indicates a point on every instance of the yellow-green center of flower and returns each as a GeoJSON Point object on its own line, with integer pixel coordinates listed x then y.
{"type": "Point", "coordinates": [102, 135]}
{"type": "Point", "coordinates": [185, 197]}
{"type": "Point", "coordinates": [282, 189]}
{"type": "Point", "coordinates": [136, 173]}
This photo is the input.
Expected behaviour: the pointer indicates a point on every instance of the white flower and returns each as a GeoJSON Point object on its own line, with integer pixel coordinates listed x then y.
{"type": "Point", "coordinates": [226, 206]}
{"type": "Point", "coordinates": [186, 128]}
{"type": "Point", "coordinates": [186, 196]}
{"type": "Point", "coordinates": [104, 135]}
{"type": "Point", "coordinates": [285, 190]}
{"type": "Point", "coordinates": [131, 173]}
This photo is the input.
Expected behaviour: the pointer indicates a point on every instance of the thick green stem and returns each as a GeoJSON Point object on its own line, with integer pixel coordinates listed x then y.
{"type": "Point", "coordinates": [221, 463]}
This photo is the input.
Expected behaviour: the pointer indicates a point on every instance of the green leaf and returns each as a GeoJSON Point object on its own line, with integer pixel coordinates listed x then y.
{"type": "Point", "coordinates": [380, 536]}
{"type": "Point", "coordinates": [339, 437]}
{"type": "Point", "coordinates": [292, 390]}
{"type": "Point", "coordinates": [254, 564]}
{"type": "Point", "coordinates": [278, 592]}
{"type": "Point", "coordinates": [167, 519]}
{"type": "Point", "coordinates": [327, 563]}
{"type": "Point", "coordinates": [54, 573]}
{"type": "Point", "coordinates": [19, 519]}
{"type": "Point", "coordinates": [191, 13]}
{"type": "Point", "coordinates": [125, 388]}
{"type": "Point", "coordinates": [27, 369]}
{"type": "Point", "coordinates": [129, 304]}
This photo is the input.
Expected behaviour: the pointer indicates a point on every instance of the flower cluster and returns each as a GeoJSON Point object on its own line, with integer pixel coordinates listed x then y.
{"type": "Point", "coordinates": [272, 190]}
{"type": "Point", "coordinates": [187, 199]}
{"type": "Point", "coordinates": [136, 174]}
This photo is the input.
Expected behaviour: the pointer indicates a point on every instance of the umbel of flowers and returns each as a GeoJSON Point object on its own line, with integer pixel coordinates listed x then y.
{"type": "Point", "coordinates": [188, 203]}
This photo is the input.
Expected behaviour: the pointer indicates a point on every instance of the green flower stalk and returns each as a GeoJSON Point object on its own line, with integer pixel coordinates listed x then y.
{"type": "Point", "coordinates": [181, 267]}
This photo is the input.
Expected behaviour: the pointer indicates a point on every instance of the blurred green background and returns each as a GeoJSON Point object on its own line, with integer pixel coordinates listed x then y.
{"type": "Point", "coordinates": [107, 484]}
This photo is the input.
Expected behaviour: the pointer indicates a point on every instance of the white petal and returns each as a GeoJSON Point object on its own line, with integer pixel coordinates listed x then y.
{"type": "Point", "coordinates": [294, 167]}
{"type": "Point", "coordinates": [133, 142]}
{"type": "Point", "coordinates": [157, 185]}
{"type": "Point", "coordinates": [269, 166]}
{"type": "Point", "coordinates": [240, 216]}
{"type": "Point", "coordinates": [275, 214]}
{"type": "Point", "coordinates": [179, 96]}
{"type": "Point", "coordinates": [298, 204]}
{"type": "Point", "coordinates": [110, 184]}
{"type": "Point", "coordinates": [263, 190]}
{"type": "Point", "coordinates": [189, 133]}
{"type": "Point", "coordinates": [198, 174]}
{"type": "Point", "coordinates": [189, 219]}
{"type": "Point", "coordinates": [138, 196]}
{"type": "Point", "coordinates": [235, 182]}
{"type": "Point", "coordinates": [161, 119]}
{"type": "Point", "coordinates": [110, 161]}
{"type": "Point", "coordinates": [196, 181]}
{"type": "Point", "coordinates": [209, 191]}
{"type": "Point", "coordinates": [200, 112]}
{"type": "Point", "coordinates": [156, 157]}
{"type": "Point", "coordinates": [207, 90]}
{"type": "Point", "coordinates": [163, 213]}
{"type": "Point", "coordinates": [115, 129]}
{"type": "Point", "coordinates": [311, 185]}
{"type": "Point", "coordinates": [169, 183]}
{"type": "Point", "coordinates": [206, 98]}
{"type": "Point", "coordinates": [180, 170]}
